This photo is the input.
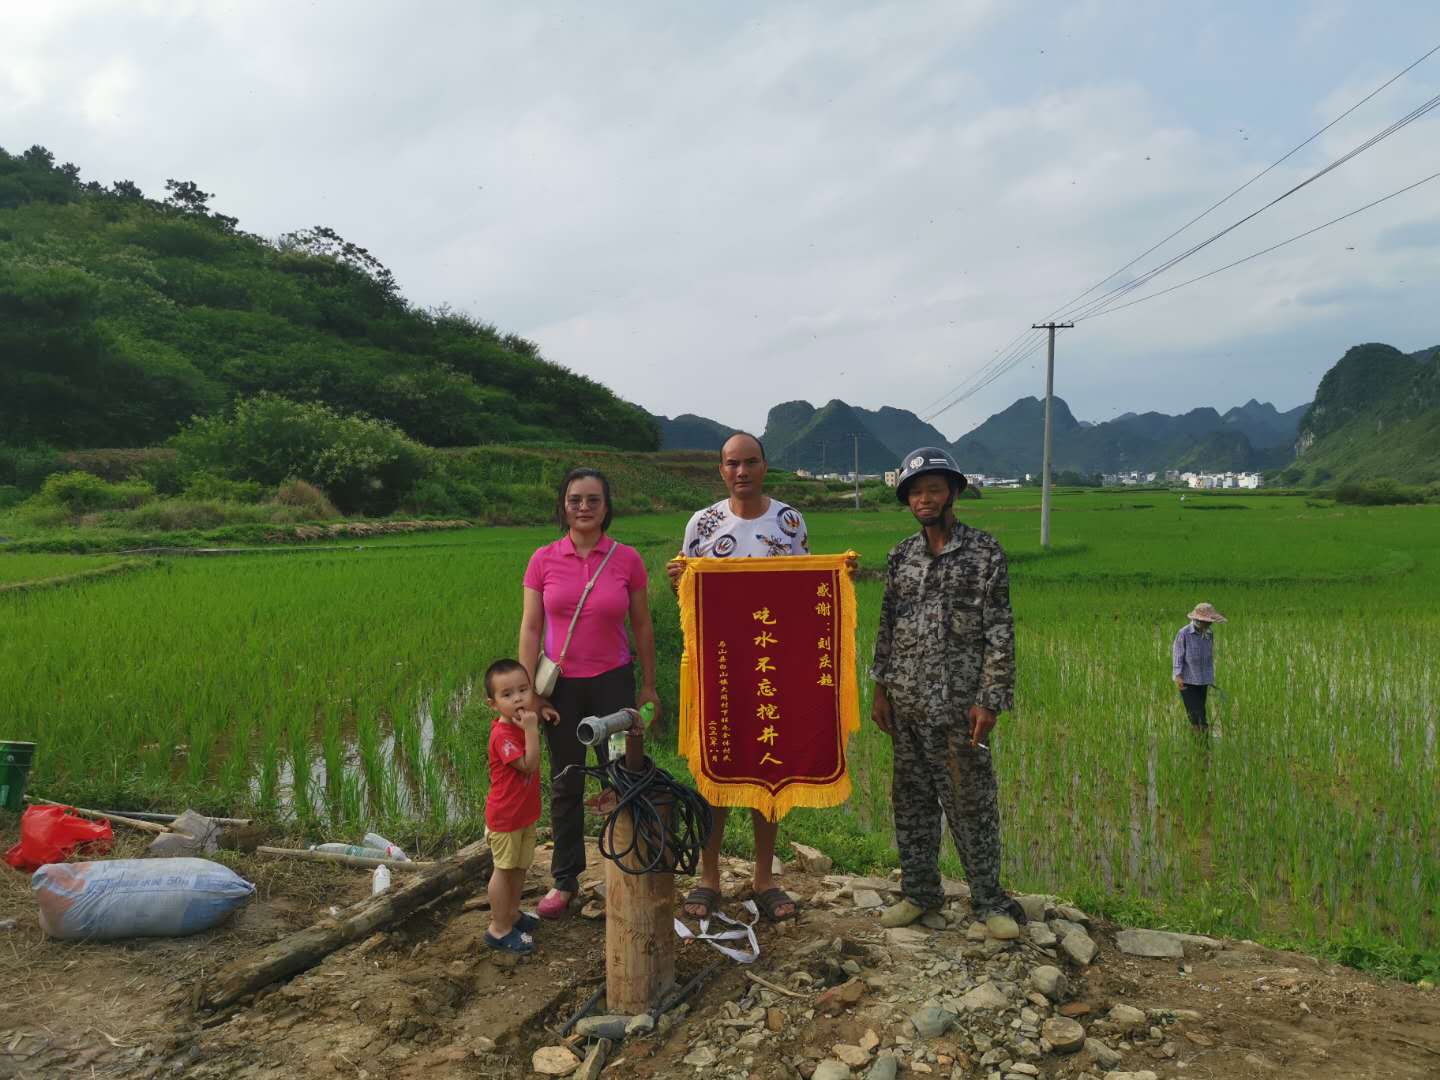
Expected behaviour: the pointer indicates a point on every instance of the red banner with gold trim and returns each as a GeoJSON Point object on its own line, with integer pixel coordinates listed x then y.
{"type": "Point", "coordinates": [768, 690]}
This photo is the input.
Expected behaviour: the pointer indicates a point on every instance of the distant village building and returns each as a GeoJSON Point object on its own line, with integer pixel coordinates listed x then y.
{"type": "Point", "coordinates": [892, 477]}
{"type": "Point", "coordinates": [1220, 481]}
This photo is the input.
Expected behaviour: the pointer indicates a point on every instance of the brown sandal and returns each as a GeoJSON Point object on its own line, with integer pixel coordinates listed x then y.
{"type": "Point", "coordinates": [771, 900]}
{"type": "Point", "coordinates": [702, 896]}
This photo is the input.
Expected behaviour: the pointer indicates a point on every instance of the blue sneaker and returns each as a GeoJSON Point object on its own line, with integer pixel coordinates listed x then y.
{"type": "Point", "coordinates": [516, 941]}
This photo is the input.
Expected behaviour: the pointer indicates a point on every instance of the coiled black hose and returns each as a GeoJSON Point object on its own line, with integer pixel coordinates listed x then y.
{"type": "Point", "coordinates": [672, 821]}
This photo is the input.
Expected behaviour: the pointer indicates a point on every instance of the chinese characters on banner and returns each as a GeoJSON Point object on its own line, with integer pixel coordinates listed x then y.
{"type": "Point", "coordinates": [768, 688]}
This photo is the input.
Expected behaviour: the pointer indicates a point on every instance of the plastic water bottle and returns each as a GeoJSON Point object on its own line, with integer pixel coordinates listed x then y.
{"type": "Point", "coordinates": [380, 880]}
{"type": "Point", "coordinates": [392, 851]}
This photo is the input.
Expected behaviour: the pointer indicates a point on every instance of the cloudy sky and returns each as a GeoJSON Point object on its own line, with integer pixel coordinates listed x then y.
{"type": "Point", "coordinates": [716, 207]}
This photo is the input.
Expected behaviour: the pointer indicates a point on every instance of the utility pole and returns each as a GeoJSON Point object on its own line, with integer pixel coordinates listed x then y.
{"type": "Point", "coordinates": [856, 436]}
{"type": "Point", "coordinates": [1049, 396]}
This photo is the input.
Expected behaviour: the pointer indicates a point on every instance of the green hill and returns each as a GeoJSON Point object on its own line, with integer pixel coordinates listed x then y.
{"type": "Point", "coordinates": [1251, 436]}
{"type": "Point", "coordinates": [690, 432]}
{"type": "Point", "coordinates": [122, 316]}
{"type": "Point", "coordinates": [900, 430]}
{"type": "Point", "coordinates": [822, 440]}
{"type": "Point", "coordinates": [1376, 415]}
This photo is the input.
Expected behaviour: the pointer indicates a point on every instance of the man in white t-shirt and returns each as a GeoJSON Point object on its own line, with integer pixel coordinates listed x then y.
{"type": "Point", "coordinates": [749, 523]}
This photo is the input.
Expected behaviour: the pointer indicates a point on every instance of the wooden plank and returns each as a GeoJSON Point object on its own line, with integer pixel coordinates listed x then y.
{"type": "Point", "coordinates": [306, 948]}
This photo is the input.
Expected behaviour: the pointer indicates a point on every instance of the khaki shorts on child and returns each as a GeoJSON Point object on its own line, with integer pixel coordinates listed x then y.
{"type": "Point", "coordinates": [512, 850]}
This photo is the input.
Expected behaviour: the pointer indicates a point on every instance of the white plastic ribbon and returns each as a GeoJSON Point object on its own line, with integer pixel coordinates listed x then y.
{"type": "Point", "coordinates": [744, 931]}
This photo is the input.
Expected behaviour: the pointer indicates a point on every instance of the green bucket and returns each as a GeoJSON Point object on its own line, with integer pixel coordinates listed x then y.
{"type": "Point", "coordinates": [15, 761]}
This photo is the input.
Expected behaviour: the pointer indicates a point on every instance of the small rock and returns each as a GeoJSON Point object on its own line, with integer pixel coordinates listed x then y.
{"type": "Point", "coordinates": [1065, 1035]}
{"type": "Point", "coordinates": [702, 1057]}
{"type": "Point", "coordinates": [1074, 914]}
{"type": "Point", "coordinates": [640, 1024]}
{"type": "Point", "coordinates": [933, 920]}
{"type": "Point", "coordinates": [485, 1044]}
{"type": "Point", "coordinates": [1102, 1054]}
{"type": "Point", "coordinates": [837, 998]}
{"type": "Point", "coordinates": [867, 899]}
{"type": "Point", "coordinates": [885, 1068]}
{"type": "Point", "coordinates": [1042, 936]}
{"type": "Point", "coordinates": [976, 932]}
{"type": "Point", "coordinates": [1143, 1074]}
{"type": "Point", "coordinates": [1034, 907]}
{"type": "Point", "coordinates": [984, 996]}
{"type": "Point", "coordinates": [812, 860]}
{"type": "Point", "coordinates": [829, 1069]}
{"type": "Point", "coordinates": [1002, 927]}
{"type": "Point", "coordinates": [869, 1041]}
{"type": "Point", "coordinates": [1127, 1017]}
{"type": "Point", "coordinates": [595, 909]}
{"type": "Point", "coordinates": [1050, 981]}
{"type": "Point", "coordinates": [852, 1056]}
{"type": "Point", "coordinates": [906, 937]}
{"type": "Point", "coordinates": [554, 1061]}
{"type": "Point", "coordinates": [775, 1019]}
{"type": "Point", "coordinates": [1022, 1068]}
{"type": "Point", "coordinates": [1073, 1009]}
{"type": "Point", "coordinates": [932, 1021]}
{"type": "Point", "coordinates": [1079, 947]}
{"type": "Point", "coordinates": [1152, 943]}
{"type": "Point", "coordinates": [776, 866]}
{"type": "Point", "coordinates": [603, 1027]}
{"type": "Point", "coordinates": [751, 1040]}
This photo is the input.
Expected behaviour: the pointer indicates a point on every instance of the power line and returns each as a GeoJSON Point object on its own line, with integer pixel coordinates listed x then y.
{"type": "Point", "coordinates": [1264, 251]}
{"type": "Point", "coordinates": [1120, 290]}
{"type": "Point", "coordinates": [1109, 301]}
{"type": "Point", "coordinates": [1263, 172]}
{"type": "Point", "coordinates": [1026, 343]}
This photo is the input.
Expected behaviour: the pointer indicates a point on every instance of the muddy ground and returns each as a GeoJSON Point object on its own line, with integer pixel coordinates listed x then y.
{"type": "Point", "coordinates": [427, 999]}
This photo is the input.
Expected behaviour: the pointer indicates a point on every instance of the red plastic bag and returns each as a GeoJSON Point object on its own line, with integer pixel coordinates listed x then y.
{"type": "Point", "coordinates": [50, 834]}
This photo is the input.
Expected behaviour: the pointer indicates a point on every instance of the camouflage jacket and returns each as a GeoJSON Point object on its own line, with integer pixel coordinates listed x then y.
{"type": "Point", "coordinates": [947, 636]}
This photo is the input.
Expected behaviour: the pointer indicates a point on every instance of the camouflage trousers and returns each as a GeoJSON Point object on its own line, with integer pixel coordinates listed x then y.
{"type": "Point", "coordinates": [937, 770]}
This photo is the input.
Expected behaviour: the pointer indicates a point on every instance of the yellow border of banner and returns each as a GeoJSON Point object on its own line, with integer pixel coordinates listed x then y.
{"type": "Point", "coordinates": [773, 806]}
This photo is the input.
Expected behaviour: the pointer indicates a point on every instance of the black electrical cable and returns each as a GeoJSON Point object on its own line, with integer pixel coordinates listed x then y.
{"type": "Point", "coordinates": [672, 822]}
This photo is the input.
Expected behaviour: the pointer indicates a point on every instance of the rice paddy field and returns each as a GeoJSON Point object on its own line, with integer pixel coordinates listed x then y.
{"type": "Point", "coordinates": [333, 688]}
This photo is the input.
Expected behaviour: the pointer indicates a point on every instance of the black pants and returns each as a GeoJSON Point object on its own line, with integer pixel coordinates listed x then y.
{"type": "Point", "coordinates": [574, 700]}
{"type": "Point", "coordinates": [1193, 695]}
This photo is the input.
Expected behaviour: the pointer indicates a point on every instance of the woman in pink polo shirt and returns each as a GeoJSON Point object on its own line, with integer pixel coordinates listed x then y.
{"type": "Point", "coordinates": [597, 674]}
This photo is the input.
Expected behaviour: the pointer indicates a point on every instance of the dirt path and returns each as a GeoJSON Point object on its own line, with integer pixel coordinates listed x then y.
{"type": "Point", "coordinates": [428, 1000]}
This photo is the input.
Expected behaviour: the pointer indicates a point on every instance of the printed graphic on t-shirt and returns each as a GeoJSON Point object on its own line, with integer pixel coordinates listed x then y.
{"type": "Point", "coordinates": [717, 533]}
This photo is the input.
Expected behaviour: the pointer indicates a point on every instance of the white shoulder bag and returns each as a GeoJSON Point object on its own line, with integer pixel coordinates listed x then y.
{"type": "Point", "coordinates": [547, 671]}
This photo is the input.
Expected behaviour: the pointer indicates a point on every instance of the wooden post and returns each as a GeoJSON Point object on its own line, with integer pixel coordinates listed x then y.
{"type": "Point", "coordinates": [639, 920]}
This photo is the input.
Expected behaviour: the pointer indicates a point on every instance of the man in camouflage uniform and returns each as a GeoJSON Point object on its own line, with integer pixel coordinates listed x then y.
{"type": "Point", "coordinates": [944, 667]}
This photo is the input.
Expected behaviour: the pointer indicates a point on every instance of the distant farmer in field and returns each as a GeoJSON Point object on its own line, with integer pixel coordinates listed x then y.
{"type": "Point", "coordinates": [747, 523]}
{"type": "Point", "coordinates": [579, 592]}
{"type": "Point", "coordinates": [944, 668]}
{"type": "Point", "coordinates": [1193, 662]}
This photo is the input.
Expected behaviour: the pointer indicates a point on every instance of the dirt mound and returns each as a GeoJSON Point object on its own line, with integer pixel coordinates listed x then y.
{"type": "Point", "coordinates": [831, 996]}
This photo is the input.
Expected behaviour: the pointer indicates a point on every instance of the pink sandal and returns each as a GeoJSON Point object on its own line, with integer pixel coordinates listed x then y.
{"type": "Point", "coordinates": [553, 905]}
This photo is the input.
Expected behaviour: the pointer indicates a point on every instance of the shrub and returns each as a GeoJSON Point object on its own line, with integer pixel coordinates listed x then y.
{"type": "Point", "coordinates": [207, 486]}
{"type": "Point", "coordinates": [307, 498]}
{"type": "Point", "coordinates": [26, 467]}
{"type": "Point", "coordinates": [83, 492]}
{"type": "Point", "coordinates": [1377, 493]}
{"type": "Point", "coordinates": [364, 465]}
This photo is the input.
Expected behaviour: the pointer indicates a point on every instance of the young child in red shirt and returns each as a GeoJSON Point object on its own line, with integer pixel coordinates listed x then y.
{"type": "Point", "coordinates": [512, 806]}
